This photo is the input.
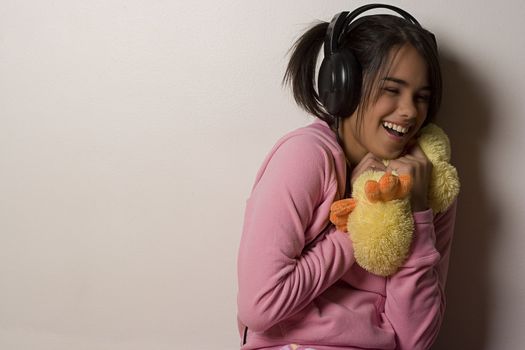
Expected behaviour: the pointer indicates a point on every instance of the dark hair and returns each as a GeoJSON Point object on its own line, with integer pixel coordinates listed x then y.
{"type": "Point", "coordinates": [372, 41]}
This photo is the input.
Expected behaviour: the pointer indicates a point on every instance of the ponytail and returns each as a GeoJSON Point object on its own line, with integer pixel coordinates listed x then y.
{"type": "Point", "coordinates": [300, 72]}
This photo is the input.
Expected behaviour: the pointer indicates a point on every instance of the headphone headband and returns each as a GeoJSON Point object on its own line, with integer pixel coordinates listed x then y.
{"type": "Point", "coordinates": [342, 24]}
{"type": "Point", "coordinates": [365, 8]}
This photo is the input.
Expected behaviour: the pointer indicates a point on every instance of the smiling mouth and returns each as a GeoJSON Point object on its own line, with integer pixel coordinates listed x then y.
{"type": "Point", "coordinates": [395, 130]}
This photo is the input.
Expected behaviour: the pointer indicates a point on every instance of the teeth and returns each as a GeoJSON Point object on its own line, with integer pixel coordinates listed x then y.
{"type": "Point", "coordinates": [395, 127]}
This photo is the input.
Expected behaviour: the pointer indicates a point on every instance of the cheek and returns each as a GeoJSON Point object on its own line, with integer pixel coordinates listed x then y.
{"type": "Point", "coordinates": [423, 110]}
{"type": "Point", "coordinates": [384, 105]}
{"type": "Point", "coordinates": [419, 125]}
{"type": "Point", "coordinates": [387, 109]}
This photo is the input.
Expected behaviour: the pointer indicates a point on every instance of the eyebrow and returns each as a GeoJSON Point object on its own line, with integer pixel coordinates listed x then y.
{"type": "Point", "coordinates": [404, 83]}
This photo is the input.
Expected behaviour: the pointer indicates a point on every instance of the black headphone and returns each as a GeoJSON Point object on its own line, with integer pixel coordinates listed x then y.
{"type": "Point", "coordinates": [340, 77]}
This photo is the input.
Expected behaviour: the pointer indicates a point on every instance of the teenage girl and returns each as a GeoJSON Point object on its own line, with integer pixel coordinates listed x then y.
{"type": "Point", "coordinates": [299, 285]}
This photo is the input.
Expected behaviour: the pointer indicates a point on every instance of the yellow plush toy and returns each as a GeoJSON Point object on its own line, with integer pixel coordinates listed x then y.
{"type": "Point", "coordinates": [378, 217]}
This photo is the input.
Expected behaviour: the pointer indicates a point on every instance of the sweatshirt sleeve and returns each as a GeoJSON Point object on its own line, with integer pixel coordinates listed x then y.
{"type": "Point", "coordinates": [278, 274]}
{"type": "Point", "coordinates": [415, 298]}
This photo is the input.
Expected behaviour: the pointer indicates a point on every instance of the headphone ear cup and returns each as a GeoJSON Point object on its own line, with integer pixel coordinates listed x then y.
{"type": "Point", "coordinates": [339, 83]}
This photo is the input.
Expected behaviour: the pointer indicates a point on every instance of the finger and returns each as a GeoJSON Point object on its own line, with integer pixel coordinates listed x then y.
{"type": "Point", "coordinates": [417, 152]}
{"type": "Point", "coordinates": [401, 166]}
{"type": "Point", "coordinates": [377, 167]}
{"type": "Point", "coordinates": [369, 157]}
{"type": "Point", "coordinates": [370, 162]}
{"type": "Point", "coordinates": [399, 163]}
{"type": "Point", "coordinates": [416, 161]}
{"type": "Point", "coordinates": [378, 164]}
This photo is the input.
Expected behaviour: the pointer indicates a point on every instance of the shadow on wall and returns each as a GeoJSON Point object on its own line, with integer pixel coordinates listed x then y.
{"type": "Point", "coordinates": [466, 116]}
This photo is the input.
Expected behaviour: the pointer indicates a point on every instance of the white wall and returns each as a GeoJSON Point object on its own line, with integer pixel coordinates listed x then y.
{"type": "Point", "coordinates": [130, 134]}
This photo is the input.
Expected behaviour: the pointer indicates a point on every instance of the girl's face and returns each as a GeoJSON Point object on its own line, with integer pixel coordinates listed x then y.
{"type": "Point", "coordinates": [401, 108]}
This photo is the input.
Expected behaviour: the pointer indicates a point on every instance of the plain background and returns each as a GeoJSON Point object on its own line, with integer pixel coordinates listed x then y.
{"type": "Point", "coordinates": [130, 135]}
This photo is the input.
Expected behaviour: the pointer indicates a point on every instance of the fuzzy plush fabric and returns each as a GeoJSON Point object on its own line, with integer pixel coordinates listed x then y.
{"type": "Point", "coordinates": [378, 216]}
{"type": "Point", "coordinates": [444, 185]}
{"type": "Point", "coordinates": [381, 231]}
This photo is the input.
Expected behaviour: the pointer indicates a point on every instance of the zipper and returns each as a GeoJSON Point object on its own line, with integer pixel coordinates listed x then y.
{"type": "Point", "coordinates": [245, 336]}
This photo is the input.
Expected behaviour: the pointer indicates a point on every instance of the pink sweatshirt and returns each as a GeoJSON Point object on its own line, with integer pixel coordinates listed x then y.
{"type": "Point", "coordinates": [298, 280]}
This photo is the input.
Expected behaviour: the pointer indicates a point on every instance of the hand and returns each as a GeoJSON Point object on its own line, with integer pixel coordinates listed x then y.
{"type": "Point", "coordinates": [416, 164]}
{"type": "Point", "coordinates": [369, 162]}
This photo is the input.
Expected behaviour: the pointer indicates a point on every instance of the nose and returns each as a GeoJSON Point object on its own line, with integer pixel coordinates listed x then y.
{"type": "Point", "coordinates": [407, 107]}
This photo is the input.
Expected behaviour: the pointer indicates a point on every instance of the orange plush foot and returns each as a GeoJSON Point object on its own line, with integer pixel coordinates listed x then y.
{"type": "Point", "coordinates": [389, 187]}
{"type": "Point", "coordinates": [339, 212]}
{"type": "Point", "coordinates": [372, 190]}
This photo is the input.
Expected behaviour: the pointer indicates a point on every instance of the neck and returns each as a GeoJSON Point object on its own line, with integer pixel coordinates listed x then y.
{"type": "Point", "coordinates": [352, 149]}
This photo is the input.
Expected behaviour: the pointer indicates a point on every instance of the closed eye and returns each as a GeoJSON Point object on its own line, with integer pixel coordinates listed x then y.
{"type": "Point", "coordinates": [423, 98]}
{"type": "Point", "coordinates": [391, 90]}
